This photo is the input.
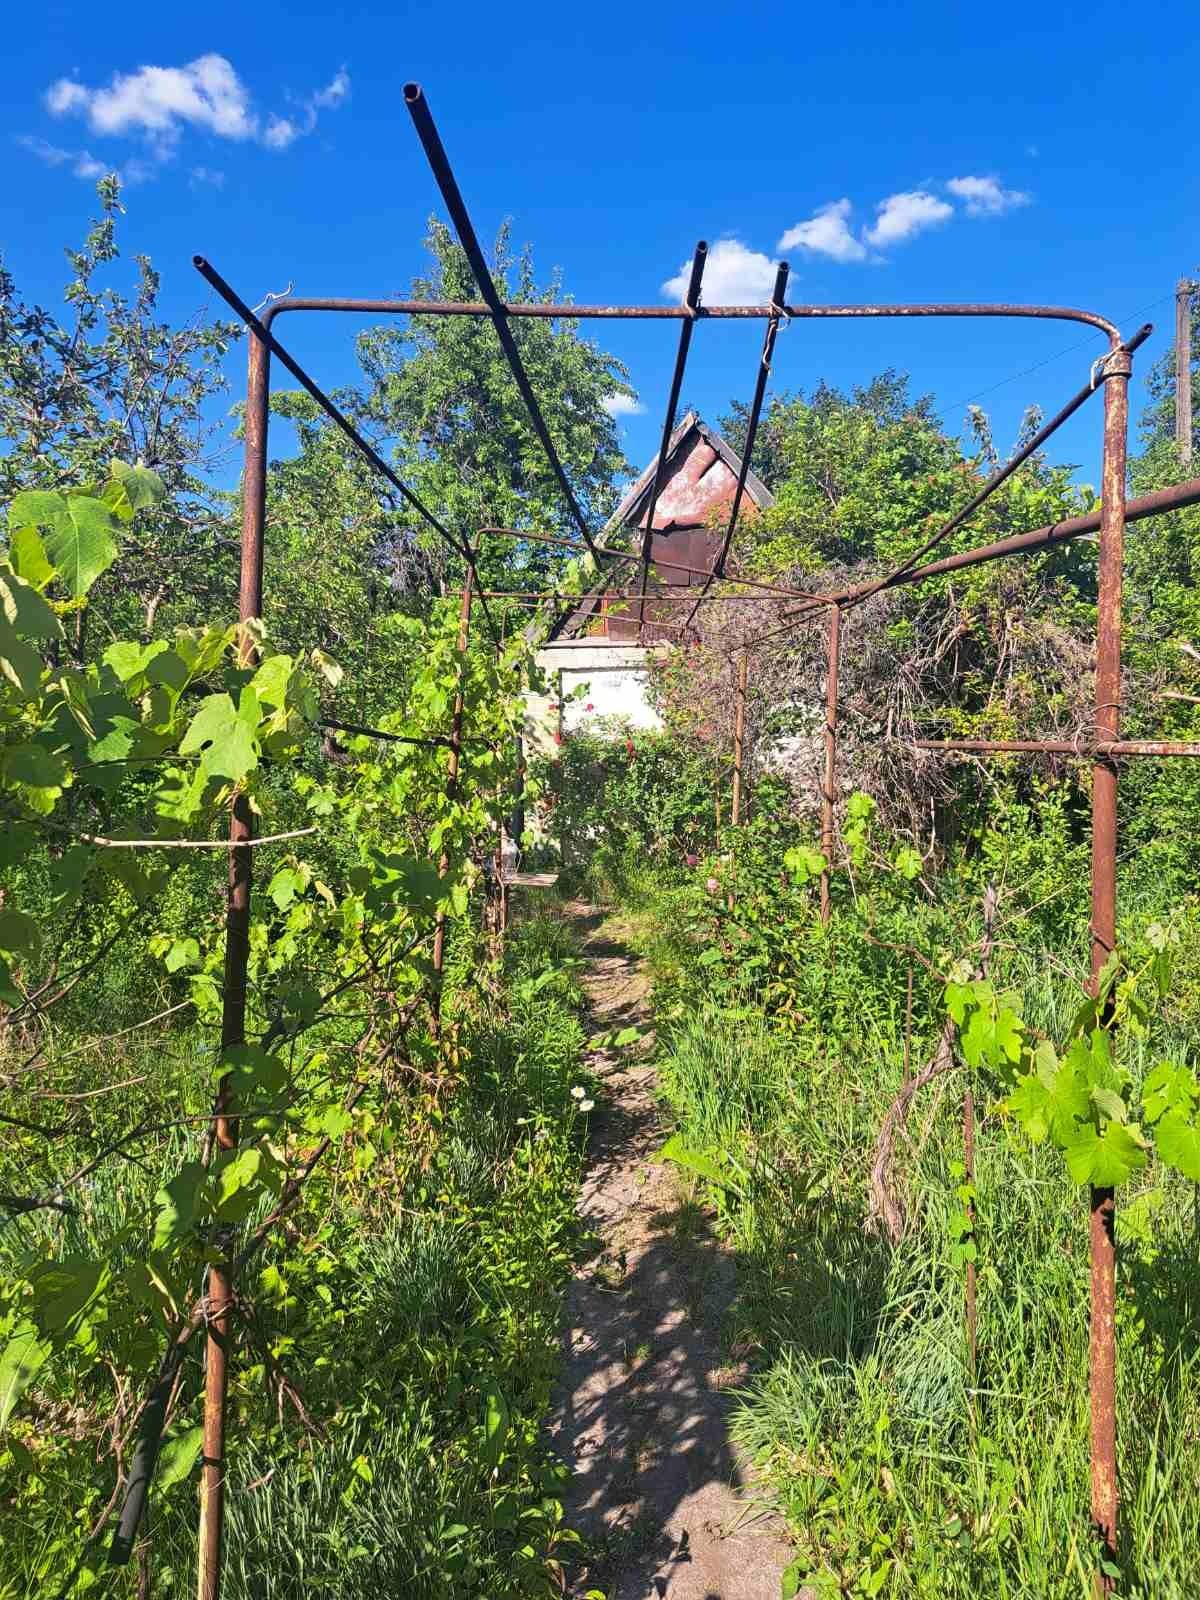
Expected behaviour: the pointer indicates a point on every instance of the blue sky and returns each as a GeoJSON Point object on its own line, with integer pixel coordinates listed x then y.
{"type": "Point", "coordinates": [903, 152]}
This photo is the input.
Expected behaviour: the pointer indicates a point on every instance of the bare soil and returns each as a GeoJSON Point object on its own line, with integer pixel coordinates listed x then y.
{"type": "Point", "coordinates": [642, 1417]}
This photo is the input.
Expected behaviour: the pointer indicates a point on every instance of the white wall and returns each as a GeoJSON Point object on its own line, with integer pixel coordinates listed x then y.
{"type": "Point", "coordinates": [615, 676]}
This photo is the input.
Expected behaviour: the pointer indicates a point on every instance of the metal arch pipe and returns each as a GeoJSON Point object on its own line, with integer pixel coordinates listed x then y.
{"type": "Point", "coordinates": [418, 108]}
{"type": "Point", "coordinates": [691, 302]}
{"type": "Point", "coordinates": [756, 405]}
{"type": "Point", "coordinates": [261, 328]}
{"type": "Point", "coordinates": [566, 312]}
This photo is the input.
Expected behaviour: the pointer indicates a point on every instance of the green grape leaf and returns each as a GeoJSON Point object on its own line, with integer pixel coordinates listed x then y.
{"type": "Point", "coordinates": [143, 488]}
{"type": "Point", "coordinates": [1103, 1159]}
{"type": "Point", "coordinates": [178, 1457]}
{"type": "Point", "coordinates": [225, 742]}
{"type": "Point", "coordinates": [183, 953]}
{"type": "Point", "coordinates": [1169, 1088]}
{"type": "Point", "coordinates": [958, 997]}
{"type": "Point", "coordinates": [803, 862]}
{"type": "Point", "coordinates": [81, 542]}
{"type": "Point", "coordinates": [23, 608]}
{"type": "Point", "coordinates": [908, 862]}
{"type": "Point", "coordinates": [1178, 1143]}
{"type": "Point", "coordinates": [178, 1202]}
{"type": "Point", "coordinates": [17, 839]}
{"type": "Point", "coordinates": [27, 555]}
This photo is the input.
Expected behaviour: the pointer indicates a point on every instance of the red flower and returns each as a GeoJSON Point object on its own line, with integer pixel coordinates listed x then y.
{"type": "Point", "coordinates": [589, 706]}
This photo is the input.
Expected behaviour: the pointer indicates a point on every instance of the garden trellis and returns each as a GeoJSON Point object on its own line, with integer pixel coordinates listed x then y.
{"type": "Point", "coordinates": [1102, 745]}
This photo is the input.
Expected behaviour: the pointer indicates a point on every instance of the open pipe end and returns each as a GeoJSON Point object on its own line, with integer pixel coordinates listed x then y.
{"type": "Point", "coordinates": [413, 94]}
{"type": "Point", "coordinates": [199, 262]}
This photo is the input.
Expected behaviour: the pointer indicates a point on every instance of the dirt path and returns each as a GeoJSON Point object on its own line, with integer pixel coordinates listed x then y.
{"type": "Point", "coordinates": [643, 1410]}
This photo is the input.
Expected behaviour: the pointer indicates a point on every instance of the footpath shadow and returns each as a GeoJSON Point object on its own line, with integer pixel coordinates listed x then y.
{"type": "Point", "coordinates": [643, 1409]}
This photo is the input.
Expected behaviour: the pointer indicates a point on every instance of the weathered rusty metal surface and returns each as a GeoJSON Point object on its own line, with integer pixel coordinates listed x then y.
{"type": "Point", "coordinates": [452, 766]}
{"type": "Point", "coordinates": [1104, 750]}
{"type": "Point", "coordinates": [739, 737]}
{"type": "Point", "coordinates": [658, 313]}
{"type": "Point", "coordinates": [220, 1291]}
{"type": "Point", "coordinates": [261, 328]}
{"type": "Point", "coordinates": [1103, 1347]}
{"type": "Point", "coordinates": [833, 661]}
{"type": "Point", "coordinates": [619, 556]}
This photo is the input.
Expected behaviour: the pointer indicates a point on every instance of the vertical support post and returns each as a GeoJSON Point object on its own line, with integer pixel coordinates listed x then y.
{"type": "Point", "coordinates": [456, 727]}
{"type": "Point", "coordinates": [829, 782]}
{"type": "Point", "coordinates": [1183, 369]}
{"type": "Point", "coordinates": [969, 1181]}
{"type": "Point", "coordinates": [739, 736]}
{"type": "Point", "coordinates": [1102, 1352]}
{"type": "Point", "coordinates": [237, 958]}
{"type": "Point", "coordinates": [739, 748]}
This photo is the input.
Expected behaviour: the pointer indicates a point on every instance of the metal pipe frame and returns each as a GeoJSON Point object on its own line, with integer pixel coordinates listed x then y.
{"type": "Point", "coordinates": [756, 405]}
{"type": "Point", "coordinates": [566, 312]}
{"type": "Point", "coordinates": [1104, 752]}
{"type": "Point", "coordinates": [1089, 750]}
{"type": "Point", "coordinates": [1000, 476]}
{"type": "Point", "coordinates": [261, 329]}
{"type": "Point", "coordinates": [691, 301]}
{"type": "Point", "coordinates": [1158, 503]}
{"type": "Point", "coordinates": [829, 777]}
{"type": "Point", "coordinates": [667, 566]}
{"type": "Point", "coordinates": [418, 109]}
{"type": "Point", "coordinates": [456, 740]}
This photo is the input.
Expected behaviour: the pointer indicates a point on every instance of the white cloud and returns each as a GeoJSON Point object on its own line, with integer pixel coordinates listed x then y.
{"type": "Point", "coordinates": [207, 175]}
{"type": "Point", "coordinates": [902, 215]}
{"type": "Point", "coordinates": [984, 197]}
{"type": "Point", "coordinates": [622, 405]}
{"type": "Point", "coordinates": [334, 92]}
{"type": "Point", "coordinates": [206, 94]}
{"type": "Point", "coordinates": [83, 163]}
{"type": "Point", "coordinates": [826, 233]}
{"type": "Point", "coordinates": [280, 132]}
{"type": "Point", "coordinates": [733, 276]}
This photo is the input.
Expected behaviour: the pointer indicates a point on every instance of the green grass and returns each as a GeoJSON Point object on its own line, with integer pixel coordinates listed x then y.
{"type": "Point", "coordinates": [899, 1474]}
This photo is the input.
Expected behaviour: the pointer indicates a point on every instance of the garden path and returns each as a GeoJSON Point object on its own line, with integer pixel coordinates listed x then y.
{"type": "Point", "coordinates": [642, 1416]}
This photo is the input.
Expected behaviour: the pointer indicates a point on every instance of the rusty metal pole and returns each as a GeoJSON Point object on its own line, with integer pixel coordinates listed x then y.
{"type": "Point", "coordinates": [1183, 369]}
{"type": "Point", "coordinates": [828, 786]}
{"type": "Point", "coordinates": [456, 729]}
{"type": "Point", "coordinates": [1102, 1354]}
{"type": "Point", "coordinates": [969, 1208]}
{"type": "Point", "coordinates": [237, 958]}
{"type": "Point", "coordinates": [739, 749]}
{"type": "Point", "coordinates": [739, 736]}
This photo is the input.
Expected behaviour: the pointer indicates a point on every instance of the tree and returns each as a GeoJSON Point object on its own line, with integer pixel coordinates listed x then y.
{"type": "Point", "coordinates": [865, 476]}
{"type": "Point", "coordinates": [441, 388]}
{"type": "Point", "coordinates": [111, 381]}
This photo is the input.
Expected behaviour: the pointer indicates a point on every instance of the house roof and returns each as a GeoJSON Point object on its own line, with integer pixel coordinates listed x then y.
{"type": "Point", "coordinates": [636, 500]}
